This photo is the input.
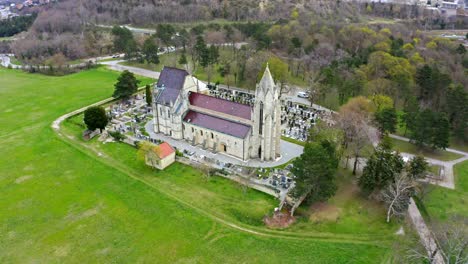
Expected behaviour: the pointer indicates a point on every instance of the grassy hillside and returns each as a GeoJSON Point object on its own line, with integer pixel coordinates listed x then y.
{"type": "Point", "coordinates": [63, 203]}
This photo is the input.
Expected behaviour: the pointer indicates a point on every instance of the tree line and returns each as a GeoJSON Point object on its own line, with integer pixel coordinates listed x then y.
{"type": "Point", "coordinates": [15, 25]}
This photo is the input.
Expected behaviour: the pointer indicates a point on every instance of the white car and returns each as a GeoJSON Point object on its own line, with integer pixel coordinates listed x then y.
{"type": "Point", "coordinates": [303, 94]}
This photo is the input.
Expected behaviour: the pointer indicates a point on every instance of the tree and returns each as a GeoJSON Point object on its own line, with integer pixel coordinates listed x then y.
{"type": "Point", "coordinates": [183, 59]}
{"type": "Point", "coordinates": [126, 85]}
{"type": "Point", "coordinates": [150, 51]}
{"type": "Point", "coordinates": [165, 32]}
{"type": "Point", "coordinates": [315, 172]}
{"type": "Point", "coordinates": [149, 96]}
{"type": "Point", "coordinates": [201, 52]}
{"type": "Point", "coordinates": [386, 120]}
{"type": "Point", "coordinates": [441, 131]}
{"type": "Point", "coordinates": [380, 170]}
{"type": "Point", "coordinates": [213, 55]}
{"type": "Point", "coordinates": [397, 194]}
{"type": "Point", "coordinates": [95, 117]}
{"type": "Point", "coordinates": [353, 120]}
{"type": "Point", "coordinates": [417, 167]}
{"type": "Point", "coordinates": [410, 111]}
{"type": "Point", "coordinates": [457, 110]}
{"type": "Point", "coordinates": [461, 49]}
{"type": "Point", "coordinates": [124, 41]}
{"type": "Point", "coordinates": [422, 128]}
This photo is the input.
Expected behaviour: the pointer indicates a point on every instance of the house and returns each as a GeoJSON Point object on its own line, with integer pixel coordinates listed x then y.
{"type": "Point", "coordinates": [183, 112]}
{"type": "Point", "coordinates": [161, 157]}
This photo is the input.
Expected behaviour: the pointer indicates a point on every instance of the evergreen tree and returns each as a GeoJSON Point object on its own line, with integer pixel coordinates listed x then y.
{"type": "Point", "coordinates": [410, 112]}
{"type": "Point", "coordinates": [150, 51]}
{"type": "Point", "coordinates": [149, 96]}
{"type": "Point", "coordinates": [457, 110]}
{"type": "Point", "coordinates": [126, 85]}
{"type": "Point", "coordinates": [124, 41]}
{"type": "Point", "coordinates": [183, 59]}
{"type": "Point", "coordinates": [165, 32]}
{"type": "Point", "coordinates": [386, 120]}
{"type": "Point", "coordinates": [461, 49]}
{"type": "Point", "coordinates": [315, 172]}
{"type": "Point", "coordinates": [95, 117]}
{"type": "Point", "coordinates": [422, 129]}
{"type": "Point", "coordinates": [424, 80]}
{"type": "Point", "coordinates": [201, 51]}
{"type": "Point", "coordinates": [380, 170]}
{"type": "Point", "coordinates": [441, 131]}
{"type": "Point", "coordinates": [417, 167]}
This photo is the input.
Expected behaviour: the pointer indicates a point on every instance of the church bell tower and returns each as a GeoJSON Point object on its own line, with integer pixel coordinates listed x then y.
{"type": "Point", "coordinates": [266, 134]}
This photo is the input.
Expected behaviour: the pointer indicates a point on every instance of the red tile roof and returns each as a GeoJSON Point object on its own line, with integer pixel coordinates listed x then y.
{"type": "Point", "coordinates": [220, 105]}
{"type": "Point", "coordinates": [164, 150]}
{"type": "Point", "coordinates": [217, 124]}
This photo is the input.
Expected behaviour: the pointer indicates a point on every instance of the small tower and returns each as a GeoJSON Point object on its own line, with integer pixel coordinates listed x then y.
{"type": "Point", "coordinates": [266, 132]}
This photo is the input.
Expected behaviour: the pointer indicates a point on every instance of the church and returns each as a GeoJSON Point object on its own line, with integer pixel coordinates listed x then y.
{"type": "Point", "coordinates": [185, 111]}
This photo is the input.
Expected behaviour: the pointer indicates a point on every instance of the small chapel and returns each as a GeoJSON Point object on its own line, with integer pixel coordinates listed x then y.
{"type": "Point", "coordinates": [184, 111]}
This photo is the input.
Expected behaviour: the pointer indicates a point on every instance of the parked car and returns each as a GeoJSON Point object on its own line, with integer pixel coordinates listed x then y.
{"type": "Point", "coordinates": [303, 95]}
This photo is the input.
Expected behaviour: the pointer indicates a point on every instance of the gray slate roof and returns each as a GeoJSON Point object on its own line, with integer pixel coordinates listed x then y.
{"type": "Point", "coordinates": [172, 80]}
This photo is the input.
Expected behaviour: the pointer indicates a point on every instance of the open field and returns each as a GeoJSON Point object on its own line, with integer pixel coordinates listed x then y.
{"type": "Point", "coordinates": [408, 147]}
{"type": "Point", "coordinates": [63, 202]}
{"type": "Point", "coordinates": [229, 200]}
{"type": "Point", "coordinates": [441, 203]}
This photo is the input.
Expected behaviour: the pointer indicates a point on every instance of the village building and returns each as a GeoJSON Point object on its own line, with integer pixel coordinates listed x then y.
{"type": "Point", "coordinates": [162, 156]}
{"type": "Point", "coordinates": [182, 111]}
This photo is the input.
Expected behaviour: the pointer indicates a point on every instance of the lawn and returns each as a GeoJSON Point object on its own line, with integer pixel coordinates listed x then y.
{"type": "Point", "coordinates": [61, 202]}
{"type": "Point", "coordinates": [294, 141]}
{"type": "Point", "coordinates": [347, 212]}
{"type": "Point", "coordinates": [442, 203]}
{"type": "Point", "coordinates": [408, 147]}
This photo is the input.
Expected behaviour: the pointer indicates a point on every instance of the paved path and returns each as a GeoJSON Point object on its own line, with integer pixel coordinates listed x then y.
{"type": "Point", "coordinates": [448, 179]}
{"type": "Point", "coordinates": [288, 151]}
{"type": "Point", "coordinates": [114, 65]}
{"type": "Point", "coordinates": [424, 233]}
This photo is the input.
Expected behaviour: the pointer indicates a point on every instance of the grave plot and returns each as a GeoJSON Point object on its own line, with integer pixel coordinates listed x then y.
{"type": "Point", "coordinates": [232, 95]}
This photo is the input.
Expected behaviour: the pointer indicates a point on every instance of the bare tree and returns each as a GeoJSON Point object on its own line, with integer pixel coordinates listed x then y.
{"type": "Point", "coordinates": [397, 195]}
{"type": "Point", "coordinates": [354, 120]}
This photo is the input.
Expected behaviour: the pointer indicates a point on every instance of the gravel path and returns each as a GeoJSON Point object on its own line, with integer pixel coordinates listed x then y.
{"type": "Point", "coordinates": [448, 179]}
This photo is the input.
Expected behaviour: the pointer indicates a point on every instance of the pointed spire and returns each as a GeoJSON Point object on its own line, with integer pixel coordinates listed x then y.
{"type": "Point", "coordinates": [267, 82]}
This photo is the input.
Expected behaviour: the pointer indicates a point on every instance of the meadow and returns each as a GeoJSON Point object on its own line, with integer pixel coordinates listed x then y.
{"type": "Point", "coordinates": [441, 203]}
{"type": "Point", "coordinates": [64, 200]}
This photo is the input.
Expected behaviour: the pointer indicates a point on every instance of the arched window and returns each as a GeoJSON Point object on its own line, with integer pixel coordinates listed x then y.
{"type": "Point", "coordinates": [260, 125]}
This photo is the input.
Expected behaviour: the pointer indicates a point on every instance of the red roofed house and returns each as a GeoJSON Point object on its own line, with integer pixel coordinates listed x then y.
{"type": "Point", "coordinates": [162, 156]}
{"type": "Point", "coordinates": [246, 132]}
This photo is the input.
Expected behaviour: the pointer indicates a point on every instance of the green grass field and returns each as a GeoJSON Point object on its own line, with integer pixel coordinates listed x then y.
{"type": "Point", "coordinates": [407, 147]}
{"type": "Point", "coordinates": [63, 201]}
{"type": "Point", "coordinates": [442, 203]}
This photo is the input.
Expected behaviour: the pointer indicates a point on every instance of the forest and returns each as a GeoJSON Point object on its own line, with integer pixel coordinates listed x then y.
{"type": "Point", "coordinates": [15, 25]}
